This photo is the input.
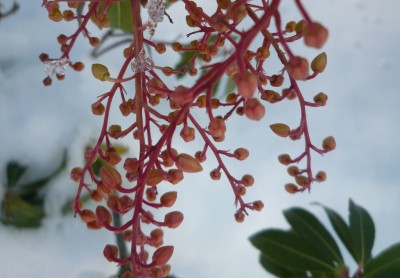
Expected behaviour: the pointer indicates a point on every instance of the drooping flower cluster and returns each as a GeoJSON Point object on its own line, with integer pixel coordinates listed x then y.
{"type": "Point", "coordinates": [226, 49]}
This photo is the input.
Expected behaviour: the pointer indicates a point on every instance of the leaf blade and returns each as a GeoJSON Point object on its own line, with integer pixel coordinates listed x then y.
{"type": "Point", "coordinates": [311, 229]}
{"type": "Point", "coordinates": [287, 248]}
{"type": "Point", "coordinates": [385, 264]}
{"type": "Point", "coordinates": [362, 231]}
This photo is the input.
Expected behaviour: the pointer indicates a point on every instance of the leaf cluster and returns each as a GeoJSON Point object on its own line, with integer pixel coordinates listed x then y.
{"type": "Point", "coordinates": [310, 250]}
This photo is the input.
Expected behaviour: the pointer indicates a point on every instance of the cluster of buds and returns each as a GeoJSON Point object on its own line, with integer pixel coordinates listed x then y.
{"type": "Point", "coordinates": [139, 184]}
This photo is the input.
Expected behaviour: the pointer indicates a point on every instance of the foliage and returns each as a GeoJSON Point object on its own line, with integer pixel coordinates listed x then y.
{"type": "Point", "coordinates": [309, 249]}
{"type": "Point", "coordinates": [22, 204]}
{"type": "Point", "coordinates": [224, 49]}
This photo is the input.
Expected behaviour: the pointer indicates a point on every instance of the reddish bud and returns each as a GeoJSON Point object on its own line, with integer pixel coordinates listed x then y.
{"type": "Point", "coordinates": [320, 99]}
{"type": "Point", "coordinates": [173, 219]}
{"type": "Point", "coordinates": [302, 181]}
{"type": "Point", "coordinates": [298, 68]}
{"type": "Point", "coordinates": [285, 159]}
{"type": "Point", "coordinates": [291, 188]}
{"type": "Point", "coordinates": [215, 174]}
{"type": "Point", "coordinates": [320, 176]}
{"type": "Point", "coordinates": [187, 163]}
{"type": "Point", "coordinates": [280, 129]}
{"type": "Point", "coordinates": [76, 174]}
{"type": "Point", "coordinates": [329, 144]}
{"type": "Point", "coordinates": [110, 177]}
{"type": "Point", "coordinates": [175, 176]}
{"type": "Point", "coordinates": [247, 180]}
{"type": "Point", "coordinates": [253, 109]}
{"type": "Point", "coordinates": [246, 84]}
{"type": "Point", "coordinates": [110, 252]}
{"type": "Point", "coordinates": [217, 127]}
{"type": "Point", "coordinates": [315, 35]}
{"type": "Point", "coordinates": [103, 215]}
{"type": "Point", "coordinates": [162, 255]}
{"type": "Point", "coordinates": [168, 199]}
{"type": "Point", "coordinates": [239, 216]}
{"type": "Point", "coordinates": [258, 205]}
{"type": "Point", "coordinates": [154, 178]}
{"type": "Point", "coordinates": [88, 216]}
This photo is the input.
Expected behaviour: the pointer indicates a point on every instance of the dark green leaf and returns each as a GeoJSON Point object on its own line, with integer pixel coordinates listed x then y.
{"type": "Point", "coordinates": [14, 173]}
{"type": "Point", "coordinates": [308, 226]}
{"type": "Point", "coordinates": [289, 249]}
{"type": "Point", "coordinates": [32, 188]}
{"type": "Point", "coordinates": [120, 15]}
{"type": "Point", "coordinates": [279, 270]}
{"type": "Point", "coordinates": [186, 56]}
{"type": "Point", "coordinates": [341, 229]}
{"type": "Point", "coordinates": [19, 213]}
{"type": "Point", "coordinates": [385, 265]}
{"type": "Point", "coordinates": [362, 231]}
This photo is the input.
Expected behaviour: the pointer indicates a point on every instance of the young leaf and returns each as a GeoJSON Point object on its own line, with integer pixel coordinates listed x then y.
{"type": "Point", "coordinates": [341, 229]}
{"type": "Point", "coordinates": [120, 15]}
{"type": "Point", "coordinates": [290, 250]}
{"type": "Point", "coordinates": [279, 270]}
{"type": "Point", "coordinates": [308, 226]}
{"type": "Point", "coordinates": [14, 173]}
{"type": "Point", "coordinates": [385, 265]}
{"type": "Point", "coordinates": [362, 231]}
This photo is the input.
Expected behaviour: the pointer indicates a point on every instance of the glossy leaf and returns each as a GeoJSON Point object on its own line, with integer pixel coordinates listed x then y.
{"type": "Point", "coordinates": [385, 265]}
{"type": "Point", "coordinates": [289, 249]}
{"type": "Point", "coordinates": [341, 228]}
{"type": "Point", "coordinates": [120, 15]}
{"type": "Point", "coordinates": [310, 228]}
{"type": "Point", "coordinates": [19, 213]}
{"type": "Point", "coordinates": [362, 231]}
{"type": "Point", "coordinates": [14, 173]}
{"type": "Point", "coordinates": [278, 269]}
{"type": "Point", "coordinates": [32, 187]}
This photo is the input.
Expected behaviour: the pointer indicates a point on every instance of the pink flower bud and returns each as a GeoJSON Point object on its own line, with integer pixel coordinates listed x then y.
{"type": "Point", "coordinates": [173, 219]}
{"type": "Point", "coordinates": [253, 109]}
{"type": "Point", "coordinates": [246, 84]}
{"type": "Point", "coordinates": [162, 255]}
{"type": "Point", "coordinates": [187, 163]}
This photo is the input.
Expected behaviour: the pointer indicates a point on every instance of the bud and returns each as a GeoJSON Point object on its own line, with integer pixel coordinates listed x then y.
{"type": "Point", "coordinates": [246, 84]}
{"type": "Point", "coordinates": [320, 99]}
{"type": "Point", "coordinates": [88, 216]}
{"type": "Point", "coordinates": [78, 66]}
{"type": "Point", "coordinates": [103, 215]}
{"type": "Point", "coordinates": [298, 68]}
{"type": "Point", "coordinates": [125, 203]}
{"type": "Point", "coordinates": [131, 165]}
{"type": "Point", "coordinates": [315, 35]}
{"type": "Point", "coordinates": [182, 95]}
{"type": "Point", "coordinates": [98, 108]}
{"type": "Point", "coordinates": [156, 237]}
{"type": "Point", "coordinates": [247, 180]}
{"type": "Point", "coordinates": [281, 130]}
{"type": "Point", "coordinates": [76, 174]}
{"type": "Point", "coordinates": [151, 194]}
{"type": "Point", "coordinates": [291, 188]}
{"type": "Point", "coordinates": [276, 80]}
{"type": "Point", "coordinates": [112, 157]}
{"type": "Point", "coordinates": [168, 199]}
{"type": "Point", "coordinates": [125, 108]}
{"type": "Point", "coordinates": [303, 181]}
{"type": "Point", "coordinates": [162, 255]}
{"type": "Point", "coordinates": [239, 216]}
{"type": "Point", "coordinates": [100, 72]}
{"type": "Point", "coordinates": [293, 171]}
{"type": "Point", "coordinates": [110, 177]}
{"type": "Point", "coordinates": [318, 64]}
{"type": "Point", "coordinates": [160, 48]}
{"type": "Point", "coordinates": [217, 127]}
{"type": "Point", "coordinates": [258, 205]}
{"type": "Point", "coordinates": [114, 131]}
{"type": "Point", "coordinates": [285, 159]}
{"type": "Point", "coordinates": [241, 154]}
{"type": "Point", "coordinates": [215, 174]}
{"type": "Point", "coordinates": [320, 176]}
{"type": "Point", "coordinates": [253, 109]}
{"type": "Point", "coordinates": [110, 252]}
{"type": "Point", "coordinates": [173, 219]}
{"type": "Point", "coordinates": [231, 98]}
{"type": "Point", "coordinates": [175, 176]}
{"type": "Point", "coordinates": [187, 163]}
{"type": "Point", "coordinates": [154, 178]}
{"type": "Point", "coordinates": [329, 144]}
{"type": "Point", "coordinates": [187, 133]}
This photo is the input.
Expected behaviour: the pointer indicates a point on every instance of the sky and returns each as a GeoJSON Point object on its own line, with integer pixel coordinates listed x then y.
{"type": "Point", "coordinates": [362, 84]}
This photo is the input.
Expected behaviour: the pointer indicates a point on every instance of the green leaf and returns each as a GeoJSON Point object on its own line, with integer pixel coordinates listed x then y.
{"type": "Point", "coordinates": [186, 56]}
{"type": "Point", "coordinates": [32, 188]}
{"type": "Point", "coordinates": [385, 265]}
{"type": "Point", "coordinates": [279, 270]}
{"type": "Point", "coordinates": [290, 250]}
{"type": "Point", "coordinates": [120, 15]}
{"type": "Point", "coordinates": [341, 229]}
{"type": "Point", "coordinates": [362, 231]}
{"type": "Point", "coordinates": [311, 229]}
{"type": "Point", "coordinates": [19, 213]}
{"type": "Point", "coordinates": [14, 173]}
